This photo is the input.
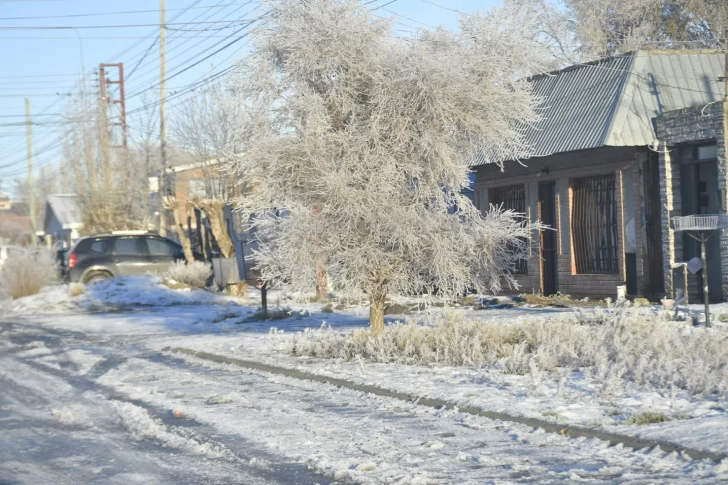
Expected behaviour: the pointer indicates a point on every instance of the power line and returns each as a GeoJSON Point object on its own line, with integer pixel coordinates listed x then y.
{"type": "Point", "coordinates": [116, 56]}
{"type": "Point", "coordinates": [37, 76]}
{"type": "Point", "coordinates": [440, 6]}
{"type": "Point", "coordinates": [192, 5]}
{"type": "Point", "coordinates": [108, 13]}
{"type": "Point", "coordinates": [174, 37]}
{"type": "Point", "coordinates": [171, 42]}
{"type": "Point", "coordinates": [116, 26]}
{"type": "Point", "coordinates": [235, 40]}
{"type": "Point", "coordinates": [110, 37]}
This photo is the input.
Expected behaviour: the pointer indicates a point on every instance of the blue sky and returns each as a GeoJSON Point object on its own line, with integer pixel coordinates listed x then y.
{"type": "Point", "coordinates": [46, 64]}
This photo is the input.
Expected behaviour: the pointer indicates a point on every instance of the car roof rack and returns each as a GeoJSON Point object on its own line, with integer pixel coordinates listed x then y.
{"type": "Point", "coordinates": [127, 233]}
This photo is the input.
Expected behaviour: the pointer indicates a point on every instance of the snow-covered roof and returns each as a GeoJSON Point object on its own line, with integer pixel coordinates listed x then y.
{"type": "Point", "coordinates": [191, 166]}
{"type": "Point", "coordinates": [66, 209]}
{"type": "Point", "coordinates": [614, 101]}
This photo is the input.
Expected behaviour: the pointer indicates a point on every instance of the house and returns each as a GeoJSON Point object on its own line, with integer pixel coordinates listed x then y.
{"type": "Point", "coordinates": [15, 229]}
{"type": "Point", "coordinates": [5, 204]}
{"type": "Point", "coordinates": [199, 180]}
{"type": "Point", "coordinates": [605, 177]}
{"type": "Point", "coordinates": [61, 219]}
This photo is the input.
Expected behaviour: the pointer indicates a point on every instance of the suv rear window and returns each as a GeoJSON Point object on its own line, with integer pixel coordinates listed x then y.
{"type": "Point", "coordinates": [159, 247]}
{"type": "Point", "coordinates": [127, 246]}
{"type": "Point", "coordinates": [99, 246]}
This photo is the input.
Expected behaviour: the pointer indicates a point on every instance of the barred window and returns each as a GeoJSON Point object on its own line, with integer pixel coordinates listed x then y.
{"type": "Point", "coordinates": [512, 197]}
{"type": "Point", "coordinates": [594, 224]}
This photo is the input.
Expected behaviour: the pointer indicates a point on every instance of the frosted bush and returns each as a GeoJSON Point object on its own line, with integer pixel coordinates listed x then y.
{"type": "Point", "coordinates": [619, 348]}
{"type": "Point", "coordinates": [193, 274]}
{"type": "Point", "coordinates": [27, 271]}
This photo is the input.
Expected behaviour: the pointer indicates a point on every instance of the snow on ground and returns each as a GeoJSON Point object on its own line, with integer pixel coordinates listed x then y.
{"type": "Point", "coordinates": [345, 435]}
{"type": "Point", "coordinates": [574, 398]}
{"type": "Point", "coordinates": [342, 433]}
{"type": "Point", "coordinates": [115, 294]}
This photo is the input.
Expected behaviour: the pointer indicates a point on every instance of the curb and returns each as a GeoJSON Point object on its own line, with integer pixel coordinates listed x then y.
{"type": "Point", "coordinates": [564, 430]}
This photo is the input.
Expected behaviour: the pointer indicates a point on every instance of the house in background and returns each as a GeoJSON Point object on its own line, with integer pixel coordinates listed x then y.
{"type": "Point", "coordinates": [61, 219]}
{"type": "Point", "coordinates": [5, 204]}
{"type": "Point", "coordinates": [599, 178]}
{"type": "Point", "coordinates": [14, 229]}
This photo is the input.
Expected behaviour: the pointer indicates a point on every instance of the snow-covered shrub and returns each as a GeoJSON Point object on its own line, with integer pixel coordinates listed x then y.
{"type": "Point", "coordinates": [27, 271]}
{"type": "Point", "coordinates": [193, 274]}
{"type": "Point", "coordinates": [619, 348]}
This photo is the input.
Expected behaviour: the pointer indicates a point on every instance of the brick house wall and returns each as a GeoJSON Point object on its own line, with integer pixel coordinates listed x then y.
{"type": "Point", "coordinates": [624, 162]}
{"type": "Point", "coordinates": [689, 126]}
{"type": "Point", "coordinates": [183, 181]}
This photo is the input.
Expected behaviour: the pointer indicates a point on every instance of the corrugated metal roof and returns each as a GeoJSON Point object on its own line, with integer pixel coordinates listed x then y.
{"type": "Point", "coordinates": [578, 104]}
{"type": "Point", "coordinates": [660, 82]}
{"type": "Point", "coordinates": [614, 101]}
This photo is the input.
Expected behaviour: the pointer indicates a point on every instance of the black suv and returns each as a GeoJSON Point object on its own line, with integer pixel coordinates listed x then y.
{"type": "Point", "coordinates": [126, 253]}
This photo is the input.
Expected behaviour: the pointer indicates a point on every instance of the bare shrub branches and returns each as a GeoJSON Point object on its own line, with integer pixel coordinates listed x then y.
{"type": "Point", "coordinates": [194, 274]}
{"type": "Point", "coordinates": [27, 271]}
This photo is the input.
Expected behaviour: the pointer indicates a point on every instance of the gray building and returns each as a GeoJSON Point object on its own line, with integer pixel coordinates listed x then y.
{"type": "Point", "coordinates": [599, 176]}
{"type": "Point", "coordinates": [61, 219]}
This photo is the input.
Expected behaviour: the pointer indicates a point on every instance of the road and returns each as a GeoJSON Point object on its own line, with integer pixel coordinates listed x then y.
{"type": "Point", "coordinates": [92, 407]}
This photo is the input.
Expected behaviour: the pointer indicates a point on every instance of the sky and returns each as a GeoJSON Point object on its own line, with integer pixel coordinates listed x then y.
{"type": "Point", "coordinates": [45, 63]}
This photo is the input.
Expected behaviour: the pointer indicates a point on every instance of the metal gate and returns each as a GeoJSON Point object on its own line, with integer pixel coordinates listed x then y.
{"type": "Point", "coordinates": [655, 276]}
{"type": "Point", "coordinates": [549, 254]}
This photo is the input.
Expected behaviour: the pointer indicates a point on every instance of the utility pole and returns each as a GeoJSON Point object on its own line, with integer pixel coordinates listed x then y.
{"type": "Point", "coordinates": [162, 117]}
{"type": "Point", "coordinates": [725, 93]}
{"type": "Point", "coordinates": [31, 184]}
{"type": "Point", "coordinates": [114, 110]}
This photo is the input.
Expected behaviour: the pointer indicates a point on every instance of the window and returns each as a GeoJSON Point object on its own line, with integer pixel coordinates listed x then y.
{"type": "Point", "coordinates": [198, 188]}
{"type": "Point", "coordinates": [98, 246]}
{"type": "Point", "coordinates": [158, 247]}
{"type": "Point", "coordinates": [594, 225]}
{"type": "Point", "coordinates": [512, 197]}
{"type": "Point", "coordinates": [706, 152]}
{"type": "Point", "coordinates": [127, 246]}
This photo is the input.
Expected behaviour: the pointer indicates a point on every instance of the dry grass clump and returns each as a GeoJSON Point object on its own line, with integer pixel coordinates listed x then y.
{"type": "Point", "coordinates": [617, 347]}
{"type": "Point", "coordinates": [194, 274]}
{"type": "Point", "coordinates": [647, 417]}
{"type": "Point", "coordinates": [27, 271]}
{"type": "Point", "coordinates": [76, 289]}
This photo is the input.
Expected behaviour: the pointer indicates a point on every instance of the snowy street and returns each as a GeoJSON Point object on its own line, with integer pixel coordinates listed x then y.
{"type": "Point", "coordinates": [61, 425]}
{"type": "Point", "coordinates": [86, 398]}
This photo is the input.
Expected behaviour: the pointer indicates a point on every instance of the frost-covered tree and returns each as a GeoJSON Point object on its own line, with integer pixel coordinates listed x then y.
{"type": "Point", "coordinates": [608, 27]}
{"type": "Point", "coordinates": [356, 146]}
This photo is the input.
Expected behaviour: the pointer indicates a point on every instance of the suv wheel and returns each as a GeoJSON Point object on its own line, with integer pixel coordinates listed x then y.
{"type": "Point", "coordinates": [97, 278]}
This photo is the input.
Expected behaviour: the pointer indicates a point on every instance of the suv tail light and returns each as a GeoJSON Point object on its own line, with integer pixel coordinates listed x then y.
{"type": "Point", "coordinates": [72, 260]}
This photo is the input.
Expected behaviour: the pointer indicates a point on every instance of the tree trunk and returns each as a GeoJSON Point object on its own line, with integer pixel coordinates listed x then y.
{"type": "Point", "coordinates": [206, 236]}
{"type": "Point", "coordinates": [198, 232]}
{"type": "Point", "coordinates": [376, 313]}
{"type": "Point", "coordinates": [321, 280]}
{"type": "Point", "coordinates": [264, 297]}
{"type": "Point", "coordinates": [214, 211]}
{"type": "Point", "coordinates": [183, 238]}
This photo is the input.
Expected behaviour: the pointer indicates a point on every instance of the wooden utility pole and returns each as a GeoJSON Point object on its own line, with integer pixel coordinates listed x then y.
{"type": "Point", "coordinates": [162, 116]}
{"type": "Point", "coordinates": [31, 183]}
